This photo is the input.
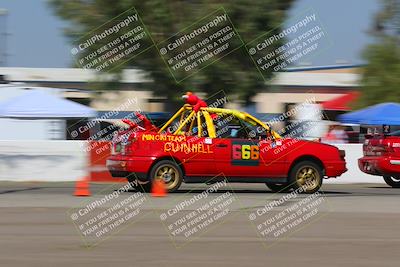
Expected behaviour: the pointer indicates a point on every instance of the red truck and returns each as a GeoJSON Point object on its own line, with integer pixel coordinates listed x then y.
{"type": "Point", "coordinates": [197, 144]}
{"type": "Point", "coordinates": [382, 157]}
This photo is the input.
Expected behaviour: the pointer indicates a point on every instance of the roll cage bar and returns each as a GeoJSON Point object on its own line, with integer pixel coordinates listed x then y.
{"type": "Point", "coordinates": [207, 113]}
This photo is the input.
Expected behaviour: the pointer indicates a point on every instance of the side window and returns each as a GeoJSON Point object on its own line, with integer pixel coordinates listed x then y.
{"type": "Point", "coordinates": [229, 126]}
{"type": "Point", "coordinates": [246, 130]}
{"type": "Point", "coordinates": [226, 126]}
{"type": "Point", "coordinates": [256, 131]}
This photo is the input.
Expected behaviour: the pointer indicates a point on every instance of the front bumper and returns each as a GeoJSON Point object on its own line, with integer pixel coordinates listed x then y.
{"type": "Point", "coordinates": [380, 165]}
{"type": "Point", "coordinates": [124, 166]}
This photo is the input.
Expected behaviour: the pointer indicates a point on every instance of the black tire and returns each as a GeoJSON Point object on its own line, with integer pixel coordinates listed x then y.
{"type": "Point", "coordinates": [170, 172]}
{"type": "Point", "coordinates": [306, 174]}
{"type": "Point", "coordinates": [389, 180]}
{"type": "Point", "coordinates": [284, 187]}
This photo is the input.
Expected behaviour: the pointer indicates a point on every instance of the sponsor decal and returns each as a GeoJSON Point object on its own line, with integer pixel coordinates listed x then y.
{"type": "Point", "coordinates": [163, 137]}
{"type": "Point", "coordinates": [187, 148]}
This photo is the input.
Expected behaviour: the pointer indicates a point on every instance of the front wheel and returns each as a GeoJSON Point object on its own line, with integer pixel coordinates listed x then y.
{"type": "Point", "coordinates": [308, 175]}
{"type": "Point", "coordinates": [392, 181]}
{"type": "Point", "coordinates": [170, 172]}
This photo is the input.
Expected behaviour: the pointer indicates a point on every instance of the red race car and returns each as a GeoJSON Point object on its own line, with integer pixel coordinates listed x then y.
{"type": "Point", "coordinates": [200, 142]}
{"type": "Point", "coordinates": [382, 157]}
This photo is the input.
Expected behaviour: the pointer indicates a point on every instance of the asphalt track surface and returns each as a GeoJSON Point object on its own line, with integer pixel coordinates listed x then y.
{"type": "Point", "coordinates": [359, 227]}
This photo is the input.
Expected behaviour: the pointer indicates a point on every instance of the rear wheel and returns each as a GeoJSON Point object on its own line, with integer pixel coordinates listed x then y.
{"type": "Point", "coordinates": [170, 172]}
{"type": "Point", "coordinates": [284, 187]}
{"type": "Point", "coordinates": [392, 181]}
{"type": "Point", "coordinates": [308, 175]}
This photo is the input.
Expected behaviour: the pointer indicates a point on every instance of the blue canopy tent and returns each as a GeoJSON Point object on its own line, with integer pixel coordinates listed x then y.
{"type": "Point", "coordinates": [380, 114]}
{"type": "Point", "coordinates": [37, 104]}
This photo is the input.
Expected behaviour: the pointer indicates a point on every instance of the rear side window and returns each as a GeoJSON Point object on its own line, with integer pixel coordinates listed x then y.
{"type": "Point", "coordinates": [200, 125]}
{"type": "Point", "coordinates": [191, 127]}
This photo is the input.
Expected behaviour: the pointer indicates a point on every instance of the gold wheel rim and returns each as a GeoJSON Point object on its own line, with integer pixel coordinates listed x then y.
{"type": "Point", "coordinates": [169, 174]}
{"type": "Point", "coordinates": [308, 178]}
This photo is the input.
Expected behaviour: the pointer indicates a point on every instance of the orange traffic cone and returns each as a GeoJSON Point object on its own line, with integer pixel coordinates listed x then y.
{"type": "Point", "coordinates": [82, 188]}
{"type": "Point", "coordinates": [158, 188]}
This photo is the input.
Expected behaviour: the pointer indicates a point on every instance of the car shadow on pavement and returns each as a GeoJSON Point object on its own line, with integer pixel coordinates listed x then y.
{"type": "Point", "coordinates": [244, 191]}
{"type": "Point", "coordinates": [19, 190]}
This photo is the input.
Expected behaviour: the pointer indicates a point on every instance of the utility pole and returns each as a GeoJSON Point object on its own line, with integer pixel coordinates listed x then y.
{"type": "Point", "coordinates": [397, 21]}
{"type": "Point", "coordinates": [3, 37]}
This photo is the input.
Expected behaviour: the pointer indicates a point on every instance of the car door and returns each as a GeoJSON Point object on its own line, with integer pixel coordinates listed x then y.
{"type": "Point", "coordinates": [273, 157]}
{"type": "Point", "coordinates": [247, 149]}
{"type": "Point", "coordinates": [236, 155]}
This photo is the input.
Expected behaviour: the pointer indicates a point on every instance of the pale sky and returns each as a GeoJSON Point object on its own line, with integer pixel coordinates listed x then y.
{"type": "Point", "coordinates": [36, 38]}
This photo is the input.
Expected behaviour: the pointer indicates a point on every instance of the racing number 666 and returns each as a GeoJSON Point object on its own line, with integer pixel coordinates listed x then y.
{"type": "Point", "coordinates": [245, 152]}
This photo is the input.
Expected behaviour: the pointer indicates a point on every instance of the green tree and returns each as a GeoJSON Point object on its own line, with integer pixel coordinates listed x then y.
{"type": "Point", "coordinates": [381, 77]}
{"type": "Point", "coordinates": [234, 73]}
